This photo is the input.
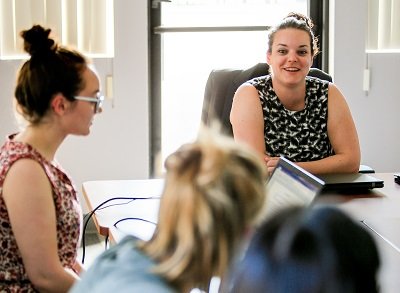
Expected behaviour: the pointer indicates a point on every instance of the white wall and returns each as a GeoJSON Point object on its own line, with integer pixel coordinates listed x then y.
{"type": "Point", "coordinates": [377, 112]}
{"type": "Point", "coordinates": [118, 147]}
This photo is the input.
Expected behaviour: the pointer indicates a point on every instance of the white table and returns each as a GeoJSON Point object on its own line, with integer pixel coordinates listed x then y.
{"type": "Point", "coordinates": [380, 207]}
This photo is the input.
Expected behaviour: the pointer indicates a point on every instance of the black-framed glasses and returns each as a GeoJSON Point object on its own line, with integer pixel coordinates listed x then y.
{"type": "Point", "coordinates": [98, 101]}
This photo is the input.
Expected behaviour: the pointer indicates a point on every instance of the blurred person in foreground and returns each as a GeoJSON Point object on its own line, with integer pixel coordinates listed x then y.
{"type": "Point", "coordinates": [214, 194]}
{"type": "Point", "coordinates": [300, 250]}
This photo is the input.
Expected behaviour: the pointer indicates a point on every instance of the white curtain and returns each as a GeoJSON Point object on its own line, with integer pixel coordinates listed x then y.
{"type": "Point", "coordinates": [87, 25]}
{"type": "Point", "coordinates": [384, 24]}
{"type": "Point", "coordinates": [395, 24]}
{"type": "Point", "coordinates": [7, 29]}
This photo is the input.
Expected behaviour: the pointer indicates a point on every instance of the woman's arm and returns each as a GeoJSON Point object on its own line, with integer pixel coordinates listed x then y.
{"type": "Point", "coordinates": [247, 118]}
{"type": "Point", "coordinates": [343, 137]}
{"type": "Point", "coordinates": [28, 197]}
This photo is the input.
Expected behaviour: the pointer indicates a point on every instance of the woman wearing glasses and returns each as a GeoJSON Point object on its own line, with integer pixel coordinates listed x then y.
{"type": "Point", "coordinates": [40, 217]}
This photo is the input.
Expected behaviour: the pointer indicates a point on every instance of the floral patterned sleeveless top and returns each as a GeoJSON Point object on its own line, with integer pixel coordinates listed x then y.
{"type": "Point", "coordinates": [13, 277]}
{"type": "Point", "coordinates": [298, 135]}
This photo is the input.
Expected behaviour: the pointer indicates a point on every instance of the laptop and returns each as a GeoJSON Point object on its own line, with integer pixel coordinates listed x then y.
{"type": "Point", "coordinates": [291, 185]}
{"type": "Point", "coordinates": [350, 183]}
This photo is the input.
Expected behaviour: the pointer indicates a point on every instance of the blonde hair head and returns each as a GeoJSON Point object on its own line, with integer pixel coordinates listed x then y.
{"type": "Point", "coordinates": [214, 191]}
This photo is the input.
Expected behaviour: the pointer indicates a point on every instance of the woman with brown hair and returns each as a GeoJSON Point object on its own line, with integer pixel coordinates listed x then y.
{"type": "Point", "coordinates": [57, 94]}
{"type": "Point", "coordinates": [287, 113]}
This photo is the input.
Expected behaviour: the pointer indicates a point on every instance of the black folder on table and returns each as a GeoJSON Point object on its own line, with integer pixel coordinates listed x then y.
{"type": "Point", "coordinates": [357, 182]}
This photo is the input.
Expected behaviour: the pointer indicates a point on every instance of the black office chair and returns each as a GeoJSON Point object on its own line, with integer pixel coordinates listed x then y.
{"type": "Point", "coordinates": [221, 87]}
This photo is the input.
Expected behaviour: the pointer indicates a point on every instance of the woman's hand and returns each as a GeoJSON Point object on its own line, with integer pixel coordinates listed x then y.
{"type": "Point", "coordinates": [271, 163]}
{"type": "Point", "coordinates": [78, 267]}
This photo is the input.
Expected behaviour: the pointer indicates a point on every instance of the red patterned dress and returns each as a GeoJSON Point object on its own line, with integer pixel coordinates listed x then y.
{"type": "Point", "coordinates": [13, 277]}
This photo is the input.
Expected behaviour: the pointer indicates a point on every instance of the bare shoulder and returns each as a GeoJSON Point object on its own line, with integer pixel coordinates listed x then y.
{"type": "Point", "coordinates": [26, 177]}
{"type": "Point", "coordinates": [246, 107]}
{"type": "Point", "coordinates": [338, 108]}
{"type": "Point", "coordinates": [336, 98]}
{"type": "Point", "coordinates": [246, 94]}
{"type": "Point", "coordinates": [26, 167]}
{"type": "Point", "coordinates": [245, 89]}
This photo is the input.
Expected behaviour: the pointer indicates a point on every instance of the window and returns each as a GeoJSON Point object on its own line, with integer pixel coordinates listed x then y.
{"type": "Point", "coordinates": [189, 39]}
{"type": "Point", "coordinates": [383, 25]}
{"type": "Point", "coordinates": [85, 24]}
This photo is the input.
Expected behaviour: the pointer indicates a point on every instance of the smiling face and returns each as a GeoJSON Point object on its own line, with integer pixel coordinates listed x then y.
{"type": "Point", "coordinates": [290, 57]}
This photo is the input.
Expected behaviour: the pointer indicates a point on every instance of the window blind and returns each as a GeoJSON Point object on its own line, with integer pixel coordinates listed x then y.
{"type": "Point", "coordinates": [383, 24]}
{"type": "Point", "coordinates": [87, 25]}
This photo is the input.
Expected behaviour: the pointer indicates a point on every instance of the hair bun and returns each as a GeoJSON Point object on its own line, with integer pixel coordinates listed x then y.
{"type": "Point", "coordinates": [37, 41]}
{"type": "Point", "coordinates": [301, 17]}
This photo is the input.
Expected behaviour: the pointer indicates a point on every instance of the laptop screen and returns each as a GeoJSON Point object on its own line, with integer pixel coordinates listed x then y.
{"type": "Point", "coordinates": [291, 185]}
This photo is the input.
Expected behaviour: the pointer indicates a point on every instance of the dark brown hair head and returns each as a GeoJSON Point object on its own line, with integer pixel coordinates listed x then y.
{"type": "Point", "coordinates": [296, 21]}
{"type": "Point", "coordinates": [51, 69]}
